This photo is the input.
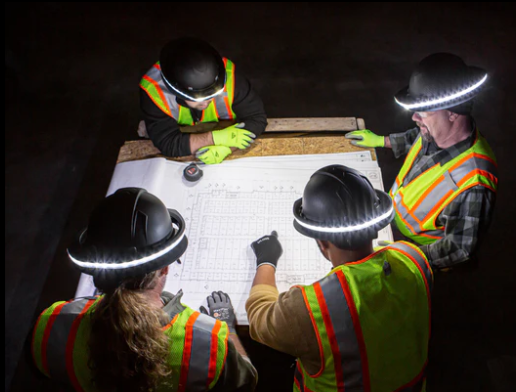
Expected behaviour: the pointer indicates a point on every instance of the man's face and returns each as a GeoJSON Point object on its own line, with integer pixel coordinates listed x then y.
{"type": "Point", "coordinates": [433, 125]}
{"type": "Point", "coordinates": [199, 105]}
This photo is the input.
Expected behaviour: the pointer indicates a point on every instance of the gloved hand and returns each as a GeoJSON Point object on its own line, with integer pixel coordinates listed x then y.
{"type": "Point", "coordinates": [267, 250]}
{"type": "Point", "coordinates": [220, 307]}
{"type": "Point", "coordinates": [172, 303]}
{"type": "Point", "coordinates": [233, 136]}
{"type": "Point", "coordinates": [366, 138]}
{"type": "Point", "coordinates": [212, 154]}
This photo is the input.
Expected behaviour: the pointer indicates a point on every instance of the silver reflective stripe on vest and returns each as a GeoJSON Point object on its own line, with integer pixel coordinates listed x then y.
{"type": "Point", "coordinates": [471, 164]}
{"type": "Point", "coordinates": [200, 356]}
{"type": "Point", "coordinates": [414, 224]}
{"type": "Point", "coordinates": [155, 75]}
{"type": "Point", "coordinates": [58, 338]}
{"type": "Point", "coordinates": [418, 258]}
{"type": "Point", "coordinates": [435, 197]}
{"type": "Point", "coordinates": [344, 332]}
{"type": "Point", "coordinates": [220, 104]}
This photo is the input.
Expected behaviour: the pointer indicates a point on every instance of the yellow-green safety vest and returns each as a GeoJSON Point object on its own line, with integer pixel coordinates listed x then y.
{"type": "Point", "coordinates": [221, 108]}
{"type": "Point", "coordinates": [419, 203]}
{"type": "Point", "coordinates": [372, 321]}
{"type": "Point", "coordinates": [198, 347]}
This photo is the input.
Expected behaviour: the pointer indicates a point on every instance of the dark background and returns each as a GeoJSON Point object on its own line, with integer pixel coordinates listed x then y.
{"type": "Point", "coordinates": [71, 100]}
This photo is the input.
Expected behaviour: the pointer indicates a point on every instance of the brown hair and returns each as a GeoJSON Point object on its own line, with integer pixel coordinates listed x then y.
{"type": "Point", "coordinates": [128, 349]}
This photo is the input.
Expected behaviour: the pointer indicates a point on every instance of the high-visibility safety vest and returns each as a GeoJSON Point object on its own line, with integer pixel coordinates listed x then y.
{"type": "Point", "coordinates": [419, 203]}
{"type": "Point", "coordinates": [198, 347]}
{"type": "Point", "coordinates": [221, 108]}
{"type": "Point", "coordinates": [372, 321]}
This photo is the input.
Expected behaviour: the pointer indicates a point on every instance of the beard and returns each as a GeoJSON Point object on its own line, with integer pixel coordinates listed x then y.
{"type": "Point", "coordinates": [425, 133]}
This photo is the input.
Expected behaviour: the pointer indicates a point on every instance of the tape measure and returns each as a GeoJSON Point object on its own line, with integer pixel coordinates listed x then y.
{"type": "Point", "coordinates": [192, 173]}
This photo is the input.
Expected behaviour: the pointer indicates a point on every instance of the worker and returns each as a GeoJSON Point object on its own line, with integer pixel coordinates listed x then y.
{"type": "Point", "coordinates": [137, 337]}
{"type": "Point", "coordinates": [444, 194]}
{"type": "Point", "coordinates": [365, 326]}
{"type": "Point", "coordinates": [190, 84]}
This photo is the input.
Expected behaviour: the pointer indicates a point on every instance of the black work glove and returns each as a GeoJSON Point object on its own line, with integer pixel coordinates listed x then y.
{"type": "Point", "coordinates": [221, 308]}
{"type": "Point", "coordinates": [267, 250]}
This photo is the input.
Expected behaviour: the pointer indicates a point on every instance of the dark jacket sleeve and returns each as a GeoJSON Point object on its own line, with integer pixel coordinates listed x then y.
{"type": "Point", "coordinates": [163, 130]}
{"type": "Point", "coordinates": [248, 106]}
{"type": "Point", "coordinates": [238, 374]}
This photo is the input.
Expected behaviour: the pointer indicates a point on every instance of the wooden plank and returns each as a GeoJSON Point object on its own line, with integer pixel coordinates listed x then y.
{"type": "Point", "coordinates": [312, 124]}
{"type": "Point", "coordinates": [143, 149]}
{"type": "Point", "coordinates": [307, 138]}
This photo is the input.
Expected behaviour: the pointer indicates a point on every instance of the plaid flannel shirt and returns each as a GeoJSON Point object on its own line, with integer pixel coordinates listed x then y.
{"type": "Point", "coordinates": [466, 218]}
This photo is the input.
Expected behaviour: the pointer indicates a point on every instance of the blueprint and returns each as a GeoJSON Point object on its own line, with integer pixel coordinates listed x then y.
{"type": "Point", "coordinates": [234, 204]}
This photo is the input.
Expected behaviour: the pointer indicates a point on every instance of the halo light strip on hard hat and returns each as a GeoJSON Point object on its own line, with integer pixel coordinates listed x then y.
{"type": "Point", "coordinates": [189, 97]}
{"type": "Point", "coordinates": [346, 229]}
{"type": "Point", "coordinates": [444, 99]}
{"type": "Point", "coordinates": [127, 264]}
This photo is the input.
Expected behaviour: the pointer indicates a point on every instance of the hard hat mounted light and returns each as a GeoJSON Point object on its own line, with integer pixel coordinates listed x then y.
{"type": "Point", "coordinates": [346, 229]}
{"type": "Point", "coordinates": [445, 99]}
{"type": "Point", "coordinates": [127, 264]}
{"type": "Point", "coordinates": [182, 94]}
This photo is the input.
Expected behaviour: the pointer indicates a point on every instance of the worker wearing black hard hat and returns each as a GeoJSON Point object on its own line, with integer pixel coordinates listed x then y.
{"type": "Point", "coordinates": [445, 192]}
{"type": "Point", "coordinates": [190, 84]}
{"type": "Point", "coordinates": [366, 325]}
{"type": "Point", "coordinates": [135, 336]}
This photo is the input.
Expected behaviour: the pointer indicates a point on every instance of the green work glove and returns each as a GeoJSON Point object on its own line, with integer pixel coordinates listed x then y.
{"type": "Point", "coordinates": [233, 136]}
{"type": "Point", "coordinates": [211, 155]}
{"type": "Point", "coordinates": [366, 138]}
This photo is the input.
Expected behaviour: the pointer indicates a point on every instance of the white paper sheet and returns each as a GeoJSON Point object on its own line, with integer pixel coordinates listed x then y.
{"type": "Point", "coordinates": [234, 204]}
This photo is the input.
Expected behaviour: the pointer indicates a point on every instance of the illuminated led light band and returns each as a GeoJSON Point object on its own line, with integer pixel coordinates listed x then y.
{"type": "Point", "coordinates": [189, 97]}
{"type": "Point", "coordinates": [444, 99]}
{"type": "Point", "coordinates": [126, 264]}
{"type": "Point", "coordinates": [346, 228]}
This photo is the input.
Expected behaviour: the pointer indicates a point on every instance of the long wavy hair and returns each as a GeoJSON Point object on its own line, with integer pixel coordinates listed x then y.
{"type": "Point", "coordinates": [128, 349]}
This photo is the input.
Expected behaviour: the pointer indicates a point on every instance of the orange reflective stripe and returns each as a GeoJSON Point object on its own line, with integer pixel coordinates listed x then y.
{"type": "Point", "coordinates": [421, 198]}
{"type": "Point", "coordinates": [215, 108]}
{"type": "Point", "coordinates": [157, 66]}
{"type": "Point", "coordinates": [358, 330]}
{"type": "Point", "coordinates": [70, 346]}
{"type": "Point", "coordinates": [46, 336]}
{"type": "Point", "coordinates": [412, 159]}
{"type": "Point", "coordinates": [228, 107]}
{"type": "Point", "coordinates": [408, 210]}
{"type": "Point", "coordinates": [213, 352]}
{"type": "Point", "coordinates": [407, 225]}
{"type": "Point", "coordinates": [226, 353]}
{"type": "Point", "coordinates": [337, 360]}
{"type": "Point", "coordinates": [480, 172]}
{"type": "Point", "coordinates": [187, 350]}
{"type": "Point", "coordinates": [469, 156]}
{"type": "Point", "coordinates": [425, 172]}
{"type": "Point", "coordinates": [158, 89]}
{"type": "Point", "coordinates": [321, 350]}
{"type": "Point", "coordinates": [438, 205]}
{"type": "Point", "coordinates": [169, 325]}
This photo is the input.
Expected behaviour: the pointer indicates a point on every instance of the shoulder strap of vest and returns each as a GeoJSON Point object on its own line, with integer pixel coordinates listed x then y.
{"type": "Point", "coordinates": [418, 258]}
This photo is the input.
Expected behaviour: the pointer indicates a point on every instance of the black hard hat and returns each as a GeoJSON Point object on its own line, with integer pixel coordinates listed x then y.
{"type": "Point", "coordinates": [192, 69]}
{"type": "Point", "coordinates": [340, 205]}
{"type": "Point", "coordinates": [441, 81]}
{"type": "Point", "coordinates": [130, 233]}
